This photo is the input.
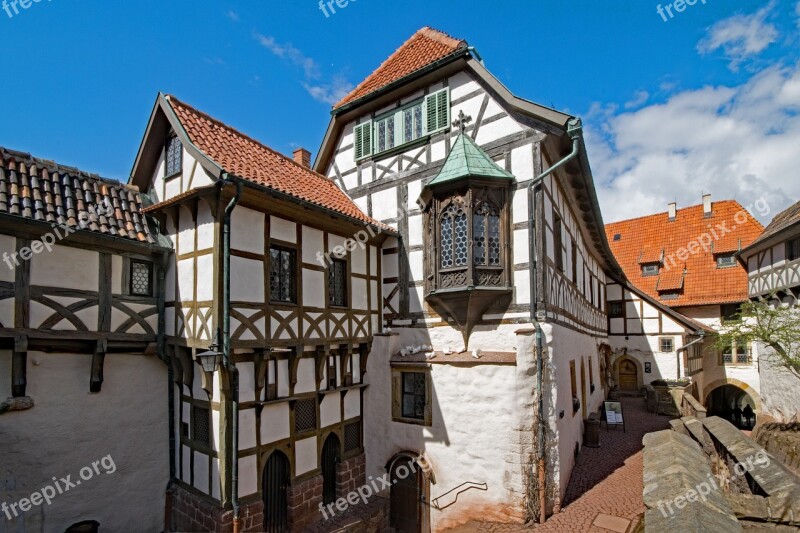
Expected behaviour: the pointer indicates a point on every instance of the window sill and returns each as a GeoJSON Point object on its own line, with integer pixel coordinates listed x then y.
{"type": "Point", "coordinates": [172, 176]}
{"type": "Point", "coordinates": [413, 421]}
{"type": "Point", "coordinates": [400, 148]}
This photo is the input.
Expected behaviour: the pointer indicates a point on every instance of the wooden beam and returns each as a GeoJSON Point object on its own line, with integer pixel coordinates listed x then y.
{"type": "Point", "coordinates": [98, 359]}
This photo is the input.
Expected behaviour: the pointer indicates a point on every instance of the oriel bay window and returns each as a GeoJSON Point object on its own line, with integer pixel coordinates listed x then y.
{"type": "Point", "coordinates": [467, 229]}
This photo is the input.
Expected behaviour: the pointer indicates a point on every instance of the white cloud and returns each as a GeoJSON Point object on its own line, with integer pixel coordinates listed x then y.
{"type": "Point", "coordinates": [734, 142]}
{"type": "Point", "coordinates": [233, 15]}
{"type": "Point", "coordinates": [639, 98]}
{"type": "Point", "coordinates": [741, 36]}
{"type": "Point", "coordinates": [326, 91]}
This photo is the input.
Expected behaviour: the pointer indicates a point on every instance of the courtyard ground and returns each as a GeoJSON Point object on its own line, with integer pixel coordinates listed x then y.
{"type": "Point", "coordinates": [605, 490]}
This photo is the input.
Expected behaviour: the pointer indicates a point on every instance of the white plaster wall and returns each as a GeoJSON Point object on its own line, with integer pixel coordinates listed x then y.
{"type": "Point", "coordinates": [305, 455]}
{"type": "Point", "coordinates": [247, 280]}
{"type": "Point", "coordinates": [205, 227]}
{"type": "Point", "coordinates": [313, 288]}
{"type": "Point", "coordinates": [779, 388]}
{"type": "Point", "coordinates": [247, 230]}
{"type": "Point", "coordinates": [47, 268]}
{"type": "Point", "coordinates": [305, 376]}
{"type": "Point", "coordinates": [312, 245]}
{"type": "Point", "coordinates": [69, 428]}
{"type": "Point", "coordinates": [248, 475]}
{"type": "Point", "coordinates": [275, 422]}
{"type": "Point", "coordinates": [460, 445]}
{"type": "Point", "coordinates": [283, 229]}
{"type": "Point", "coordinates": [330, 409]}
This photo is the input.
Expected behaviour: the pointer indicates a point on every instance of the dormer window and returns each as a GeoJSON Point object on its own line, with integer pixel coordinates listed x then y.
{"type": "Point", "coordinates": [651, 269]}
{"type": "Point", "coordinates": [726, 261]}
{"type": "Point", "coordinates": [174, 156]}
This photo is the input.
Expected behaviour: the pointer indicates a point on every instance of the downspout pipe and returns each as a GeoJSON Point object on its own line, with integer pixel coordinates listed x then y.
{"type": "Point", "coordinates": [164, 355]}
{"type": "Point", "coordinates": [574, 129]}
{"type": "Point", "coordinates": [230, 366]}
{"type": "Point", "coordinates": [678, 352]}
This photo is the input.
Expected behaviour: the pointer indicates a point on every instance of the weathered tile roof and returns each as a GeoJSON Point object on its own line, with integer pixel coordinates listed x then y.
{"type": "Point", "coordinates": [247, 158]}
{"type": "Point", "coordinates": [702, 282]}
{"type": "Point", "coordinates": [425, 47]}
{"type": "Point", "coordinates": [783, 220]}
{"type": "Point", "coordinates": [42, 190]}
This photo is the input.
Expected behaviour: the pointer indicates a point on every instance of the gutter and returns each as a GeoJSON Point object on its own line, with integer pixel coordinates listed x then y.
{"type": "Point", "coordinates": [574, 129]}
{"type": "Point", "coordinates": [702, 335]}
{"type": "Point", "coordinates": [230, 366]}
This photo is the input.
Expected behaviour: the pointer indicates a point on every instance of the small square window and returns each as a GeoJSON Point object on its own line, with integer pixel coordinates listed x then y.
{"type": "Point", "coordinates": [667, 344]}
{"type": "Point", "coordinates": [352, 436]}
{"type": "Point", "coordinates": [730, 312]}
{"type": "Point", "coordinates": [201, 423]}
{"type": "Point", "coordinates": [616, 309]}
{"type": "Point", "coordinates": [305, 415]}
{"type": "Point", "coordinates": [726, 261]}
{"type": "Point", "coordinates": [650, 270]}
{"type": "Point", "coordinates": [141, 278]}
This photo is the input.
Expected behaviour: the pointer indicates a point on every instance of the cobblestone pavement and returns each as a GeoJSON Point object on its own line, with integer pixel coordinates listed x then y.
{"type": "Point", "coordinates": [606, 484]}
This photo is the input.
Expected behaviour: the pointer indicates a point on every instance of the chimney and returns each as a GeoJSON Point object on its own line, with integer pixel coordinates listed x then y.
{"type": "Point", "coordinates": [707, 205]}
{"type": "Point", "coordinates": [302, 157]}
{"type": "Point", "coordinates": [673, 211]}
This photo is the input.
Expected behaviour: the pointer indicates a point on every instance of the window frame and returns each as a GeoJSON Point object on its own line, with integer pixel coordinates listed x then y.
{"type": "Point", "coordinates": [793, 249]}
{"type": "Point", "coordinates": [671, 341]}
{"type": "Point", "coordinates": [194, 436]}
{"type": "Point", "coordinates": [558, 243]}
{"type": "Point", "coordinates": [650, 273]}
{"type": "Point", "coordinates": [455, 206]}
{"type": "Point", "coordinates": [721, 257]}
{"type": "Point", "coordinates": [736, 352]}
{"type": "Point", "coordinates": [331, 274]}
{"type": "Point", "coordinates": [398, 395]}
{"type": "Point", "coordinates": [726, 317]}
{"type": "Point", "coordinates": [494, 211]}
{"type": "Point", "coordinates": [167, 146]}
{"type": "Point", "coordinates": [150, 275]}
{"type": "Point", "coordinates": [612, 314]}
{"type": "Point", "coordinates": [294, 273]}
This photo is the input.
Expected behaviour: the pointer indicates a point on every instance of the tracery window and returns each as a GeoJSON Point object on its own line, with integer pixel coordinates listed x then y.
{"type": "Point", "coordinates": [486, 235]}
{"type": "Point", "coordinates": [454, 237]}
{"type": "Point", "coordinates": [174, 156]}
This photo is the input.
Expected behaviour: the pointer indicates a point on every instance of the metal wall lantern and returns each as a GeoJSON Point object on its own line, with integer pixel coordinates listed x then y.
{"type": "Point", "coordinates": [211, 358]}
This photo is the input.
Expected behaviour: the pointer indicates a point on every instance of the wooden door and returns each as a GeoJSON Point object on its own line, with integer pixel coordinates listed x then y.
{"type": "Point", "coordinates": [275, 483]}
{"type": "Point", "coordinates": [406, 497]}
{"type": "Point", "coordinates": [628, 376]}
{"type": "Point", "coordinates": [330, 458]}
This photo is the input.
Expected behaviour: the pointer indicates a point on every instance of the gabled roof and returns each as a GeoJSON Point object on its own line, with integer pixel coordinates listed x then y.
{"type": "Point", "coordinates": [237, 154]}
{"type": "Point", "coordinates": [784, 220]}
{"type": "Point", "coordinates": [44, 191]}
{"type": "Point", "coordinates": [467, 159]}
{"type": "Point", "coordinates": [702, 283]}
{"type": "Point", "coordinates": [425, 47]}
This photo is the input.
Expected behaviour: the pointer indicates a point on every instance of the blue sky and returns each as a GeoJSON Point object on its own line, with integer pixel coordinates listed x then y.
{"type": "Point", "coordinates": [707, 101]}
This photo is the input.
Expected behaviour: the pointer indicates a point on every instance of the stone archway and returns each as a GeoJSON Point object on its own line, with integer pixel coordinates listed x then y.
{"type": "Point", "coordinates": [637, 365]}
{"type": "Point", "coordinates": [708, 389]}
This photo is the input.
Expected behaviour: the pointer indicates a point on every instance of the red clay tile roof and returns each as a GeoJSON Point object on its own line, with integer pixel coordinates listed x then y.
{"type": "Point", "coordinates": [423, 48]}
{"type": "Point", "coordinates": [247, 158]}
{"type": "Point", "coordinates": [703, 283]}
{"type": "Point", "coordinates": [783, 220]}
{"type": "Point", "coordinates": [42, 190]}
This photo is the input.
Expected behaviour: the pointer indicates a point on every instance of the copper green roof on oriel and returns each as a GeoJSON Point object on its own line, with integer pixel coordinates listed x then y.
{"type": "Point", "coordinates": [466, 159]}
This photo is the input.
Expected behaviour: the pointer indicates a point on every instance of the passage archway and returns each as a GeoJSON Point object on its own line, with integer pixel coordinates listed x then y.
{"type": "Point", "coordinates": [738, 405]}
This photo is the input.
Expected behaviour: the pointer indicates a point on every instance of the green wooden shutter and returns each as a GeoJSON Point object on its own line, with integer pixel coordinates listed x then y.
{"type": "Point", "coordinates": [438, 110]}
{"type": "Point", "coordinates": [363, 140]}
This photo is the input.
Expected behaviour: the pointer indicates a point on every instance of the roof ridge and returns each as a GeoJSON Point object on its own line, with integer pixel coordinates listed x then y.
{"type": "Point", "coordinates": [54, 166]}
{"type": "Point", "coordinates": [661, 213]}
{"type": "Point", "coordinates": [426, 31]}
{"type": "Point", "coordinates": [171, 97]}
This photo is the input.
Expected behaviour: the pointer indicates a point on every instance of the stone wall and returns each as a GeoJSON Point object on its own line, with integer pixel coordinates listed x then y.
{"type": "Point", "coordinates": [304, 500]}
{"type": "Point", "coordinates": [782, 441]}
{"type": "Point", "coordinates": [190, 512]}
{"type": "Point", "coordinates": [350, 474]}
{"type": "Point", "coordinates": [779, 388]}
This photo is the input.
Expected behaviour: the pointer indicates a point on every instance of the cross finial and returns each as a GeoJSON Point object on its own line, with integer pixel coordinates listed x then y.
{"type": "Point", "coordinates": [461, 121]}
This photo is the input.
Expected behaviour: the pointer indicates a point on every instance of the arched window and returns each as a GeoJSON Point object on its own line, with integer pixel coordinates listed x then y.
{"type": "Point", "coordinates": [453, 237]}
{"type": "Point", "coordinates": [486, 235]}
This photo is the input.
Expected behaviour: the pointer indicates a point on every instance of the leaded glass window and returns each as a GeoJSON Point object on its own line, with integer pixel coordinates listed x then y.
{"type": "Point", "coordinates": [174, 156]}
{"type": "Point", "coordinates": [282, 274]}
{"type": "Point", "coordinates": [141, 278]}
{"type": "Point", "coordinates": [486, 235]}
{"type": "Point", "coordinates": [454, 237]}
{"type": "Point", "coordinates": [337, 283]}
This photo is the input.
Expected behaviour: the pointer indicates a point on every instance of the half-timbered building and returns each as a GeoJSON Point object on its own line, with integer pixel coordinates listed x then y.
{"type": "Point", "coordinates": [685, 259]}
{"type": "Point", "coordinates": [773, 270]}
{"type": "Point", "coordinates": [494, 288]}
{"type": "Point", "coordinates": [80, 298]}
{"type": "Point", "coordinates": [263, 273]}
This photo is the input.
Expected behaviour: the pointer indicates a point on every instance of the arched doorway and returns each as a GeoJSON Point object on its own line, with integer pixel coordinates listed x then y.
{"type": "Point", "coordinates": [407, 496]}
{"type": "Point", "coordinates": [274, 486]}
{"type": "Point", "coordinates": [628, 375]}
{"type": "Point", "coordinates": [733, 404]}
{"type": "Point", "coordinates": [331, 456]}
